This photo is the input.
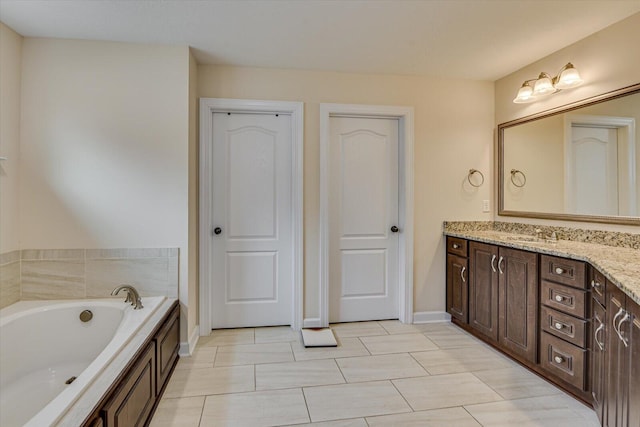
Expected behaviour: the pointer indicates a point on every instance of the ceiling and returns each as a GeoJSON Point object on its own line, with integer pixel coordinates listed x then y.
{"type": "Point", "coordinates": [470, 39]}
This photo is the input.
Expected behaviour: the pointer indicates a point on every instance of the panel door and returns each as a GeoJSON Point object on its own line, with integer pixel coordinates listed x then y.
{"type": "Point", "coordinates": [518, 302]}
{"type": "Point", "coordinates": [616, 381]}
{"type": "Point", "coordinates": [598, 350]}
{"type": "Point", "coordinates": [593, 186]}
{"type": "Point", "coordinates": [363, 208]}
{"type": "Point", "coordinates": [483, 289]}
{"type": "Point", "coordinates": [631, 330]}
{"type": "Point", "coordinates": [252, 196]}
{"type": "Point", "coordinates": [457, 288]}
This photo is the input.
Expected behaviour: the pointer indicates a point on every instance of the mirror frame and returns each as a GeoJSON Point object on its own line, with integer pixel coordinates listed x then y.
{"type": "Point", "coordinates": [547, 113]}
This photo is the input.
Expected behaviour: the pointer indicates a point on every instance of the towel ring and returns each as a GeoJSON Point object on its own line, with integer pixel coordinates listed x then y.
{"type": "Point", "coordinates": [524, 178]}
{"type": "Point", "coordinates": [471, 172]}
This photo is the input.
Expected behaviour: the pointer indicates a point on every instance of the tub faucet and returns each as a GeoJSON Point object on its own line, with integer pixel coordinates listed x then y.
{"type": "Point", "coordinates": [133, 296]}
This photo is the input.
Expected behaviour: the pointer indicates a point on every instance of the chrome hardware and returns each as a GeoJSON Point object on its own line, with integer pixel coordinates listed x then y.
{"type": "Point", "coordinates": [455, 246]}
{"type": "Point", "coordinates": [559, 298]}
{"type": "Point", "coordinates": [626, 317]}
{"type": "Point", "coordinates": [217, 230]}
{"type": "Point", "coordinates": [462, 274]}
{"type": "Point", "coordinates": [558, 325]}
{"type": "Point", "coordinates": [521, 183]}
{"type": "Point", "coordinates": [559, 270]}
{"type": "Point", "coordinates": [595, 285]}
{"type": "Point", "coordinates": [558, 359]}
{"type": "Point", "coordinates": [133, 296]}
{"type": "Point", "coordinates": [395, 229]}
{"type": "Point", "coordinates": [471, 172]}
{"type": "Point", "coordinates": [493, 266]}
{"type": "Point", "coordinates": [499, 264]}
{"type": "Point", "coordinates": [86, 315]}
{"type": "Point", "coordinates": [595, 336]}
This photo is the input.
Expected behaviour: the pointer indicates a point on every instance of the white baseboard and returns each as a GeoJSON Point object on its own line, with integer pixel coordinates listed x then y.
{"type": "Point", "coordinates": [313, 322]}
{"type": "Point", "coordinates": [186, 348]}
{"type": "Point", "coordinates": [431, 317]}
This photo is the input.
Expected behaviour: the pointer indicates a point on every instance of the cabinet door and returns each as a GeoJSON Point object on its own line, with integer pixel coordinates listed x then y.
{"type": "Point", "coordinates": [483, 289]}
{"type": "Point", "coordinates": [632, 333]}
{"type": "Point", "coordinates": [167, 344]}
{"type": "Point", "coordinates": [616, 381]}
{"type": "Point", "coordinates": [598, 350]}
{"type": "Point", "coordinates": [457, 289]}
{"type": "Point", "coordinates": [518, 302]}
{"type": "Point", "coordinates": [131, 405]}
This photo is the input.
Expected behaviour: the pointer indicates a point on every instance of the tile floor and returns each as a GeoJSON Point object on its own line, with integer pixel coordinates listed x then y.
{"type": "Point", "coordinates": [381, 374]}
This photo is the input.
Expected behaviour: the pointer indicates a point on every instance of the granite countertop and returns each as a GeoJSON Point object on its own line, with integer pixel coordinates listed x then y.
{"type": "Point", "coordinates": [619, 264]}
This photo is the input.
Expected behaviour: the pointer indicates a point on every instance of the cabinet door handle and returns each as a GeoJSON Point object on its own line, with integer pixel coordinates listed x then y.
{"type": "Point", "coordinates": [493, 263]}
{"type": "Point", "coordinates": [595, 336]}
{"type": "Point", "coordinates": [615, 326]}
{"type": "Point", "coordinates": [499, 264]}
{"type": "Point", "coordinates": [595, 285]}
{"type": "Point", "coordinates": [626, 317]}
{"type": "Point", "coordinates": [462, 274]}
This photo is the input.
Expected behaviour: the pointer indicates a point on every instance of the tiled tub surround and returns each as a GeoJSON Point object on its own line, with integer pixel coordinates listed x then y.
{"type": "Point", "coordinates": [616, 255]}
{"type": "Point", "coordinates": [86, 273]}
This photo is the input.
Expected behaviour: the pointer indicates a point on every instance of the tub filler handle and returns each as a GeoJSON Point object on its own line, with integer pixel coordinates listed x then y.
{"type": "Point", "coordinates": [133, 296]}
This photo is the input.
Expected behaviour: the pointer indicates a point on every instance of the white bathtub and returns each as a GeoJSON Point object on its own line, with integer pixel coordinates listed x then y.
{"type": "Point", "coordinates": [44, 343]}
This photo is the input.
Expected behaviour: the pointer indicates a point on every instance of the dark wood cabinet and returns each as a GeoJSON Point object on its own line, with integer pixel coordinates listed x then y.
{"type": "Point", "coordinates": [167, 344]}
{"type": "Point", "coordinates": [457, 287]}
{"type": "Point", "coordinates": [518, 302]}
{"type": "Point", "coordinates": [598, 348]}
{"type": "Point", "coordinates": [623, 360]}
{"type": "Point", "coordinates": [483, 289]}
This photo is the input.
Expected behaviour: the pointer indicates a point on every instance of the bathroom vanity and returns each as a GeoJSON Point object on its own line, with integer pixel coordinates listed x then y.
{"type": "Point", "coordinates": [567, 310]}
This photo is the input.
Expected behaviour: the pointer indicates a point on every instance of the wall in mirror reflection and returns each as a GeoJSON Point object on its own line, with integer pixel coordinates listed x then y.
{"type": "Point", "coordinates": [581, 162]}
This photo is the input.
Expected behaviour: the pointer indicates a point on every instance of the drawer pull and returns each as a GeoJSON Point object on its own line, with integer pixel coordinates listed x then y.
{"type": "Point", "coordinates": [462, 274]}
{"type": "Point", "coordinates": [493, 266]}
{"type": "Point", "coordinates": [595, 284]}
{"type": "Point", "coordinates": [558, 325]}
{"type": "Point", "coordinates": [499, 265]}
{"type": "Point", "coordinates": [558, 359]}
{"type": "Point", "coordinates": [455, 246]}
{"type": "Point", "coordinates": [595, 336]}
{"type": "Point", "coordinates": [559, 270]}
{"type": "Point", "coordinates": [559, 298]}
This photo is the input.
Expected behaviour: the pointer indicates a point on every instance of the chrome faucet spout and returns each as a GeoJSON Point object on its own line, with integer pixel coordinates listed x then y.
{"type": "Point", "coordinates": [133, 297]}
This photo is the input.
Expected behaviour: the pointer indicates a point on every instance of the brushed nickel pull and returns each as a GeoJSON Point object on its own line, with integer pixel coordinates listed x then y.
{"type": "Point", "coordinates": [559, 270]}
{"type": "Point", "coordinates": [462, 274]}
{"type": "Point", "coordinates": [455, 246]}
{"type": "Point", "coordinates": [595, 285]}
{"type": "Point", "coordinates": [626, 317]}
{"type": "Point", "coordinates": [559, 298]}
{"type": "Point", "coordinates": [499, 264]}
{"type": "Point", "coordinates": [558, 359]}
{"type": "Point", "coordinates": [558, 325]}
{"type": "Point", "coordinates": [595, 336]}
{"type": "Point", "coordinates": [493, 266]}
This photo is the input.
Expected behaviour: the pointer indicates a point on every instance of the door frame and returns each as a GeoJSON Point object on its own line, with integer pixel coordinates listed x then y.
{"type": "Point", "coordinates": [208, 106]}
{"type": "Point", "coordinates": [404, 115]}
{"type": "Point", "coordinates": [626, 127]}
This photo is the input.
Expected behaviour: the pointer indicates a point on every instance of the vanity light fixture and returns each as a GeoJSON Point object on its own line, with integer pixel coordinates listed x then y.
{"type": "Point", "coordinates": [567, 78]}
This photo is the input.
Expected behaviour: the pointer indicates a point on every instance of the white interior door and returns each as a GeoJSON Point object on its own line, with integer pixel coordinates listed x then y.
{"type": "Point", "coordinates": [252, 257]}
{"type": "Point", "coordinates": [363, 200]}
{"type": "Point", "coordinates": [594, 162]}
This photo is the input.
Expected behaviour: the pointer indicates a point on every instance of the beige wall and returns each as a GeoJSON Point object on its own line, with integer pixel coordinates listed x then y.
{"type": "Point", "coordinates": [193, 193]}
{"type": "Point", "coordinates": [10, 74]}
{"type": "Point", "coordinates": [453, 133]}
{"type": "Point", "coordinates": [607, 60]}
{"type": "Point", "coordinates": [105, 147]}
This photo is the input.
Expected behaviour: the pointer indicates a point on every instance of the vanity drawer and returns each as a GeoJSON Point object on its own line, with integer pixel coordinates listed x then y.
{"type": "Point", "coordinates": [563, 326]}
{"type": "Point", "coordinates": [562, 270]}
{"type": "Point", "coordinates": [597, 283]}
{"type": "Point", "coordinates": [564, 360]}
{"type": "Point", "coordinates": [564, 298]}
{"type": "Point", "coordinates": [457, 246]}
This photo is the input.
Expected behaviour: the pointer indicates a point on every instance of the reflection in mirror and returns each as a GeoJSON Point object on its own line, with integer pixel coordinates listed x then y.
{"type": "Point", "coordinates": [582, 162]}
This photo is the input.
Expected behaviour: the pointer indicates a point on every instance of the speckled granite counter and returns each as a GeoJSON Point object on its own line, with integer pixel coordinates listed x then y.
{"type": "Point", "coordinates": [621, 265]}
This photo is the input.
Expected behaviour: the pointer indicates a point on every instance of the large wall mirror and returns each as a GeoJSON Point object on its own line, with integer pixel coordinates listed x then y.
{"type": "Point", "coordinates": [579, 162]}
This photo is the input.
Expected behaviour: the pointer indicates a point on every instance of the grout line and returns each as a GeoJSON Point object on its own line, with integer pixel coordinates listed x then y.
{"type": "Point", "coordinates": [306, 404]}
{"type": "Point", "coordinates": [492, 389]}
{"type": "Point", "coordinates": [402, 395]}
{"type": "Point", "coordinates": [470, 414]}
{"type": "Point", "coordinates": [204, 402]}
{"type": "Point", "coordinates": [340, 370]}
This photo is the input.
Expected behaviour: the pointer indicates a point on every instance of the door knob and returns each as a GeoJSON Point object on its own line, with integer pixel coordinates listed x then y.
{"type": "Point", "coordinates": [217, 230]}
{"type": "Point", "coordinates": [394, 229]}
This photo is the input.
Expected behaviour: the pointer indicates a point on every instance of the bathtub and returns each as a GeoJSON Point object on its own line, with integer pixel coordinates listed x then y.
{"type": "Point", "coordinates": [44, 344]}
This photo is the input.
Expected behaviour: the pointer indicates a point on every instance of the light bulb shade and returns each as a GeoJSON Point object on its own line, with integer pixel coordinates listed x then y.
{"type": "Point", "coordinates": [543, 86]}
{"type": "Point", "coordinates": [568, 78]}
{"type": "Point", "coordinates": [525, 94]}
